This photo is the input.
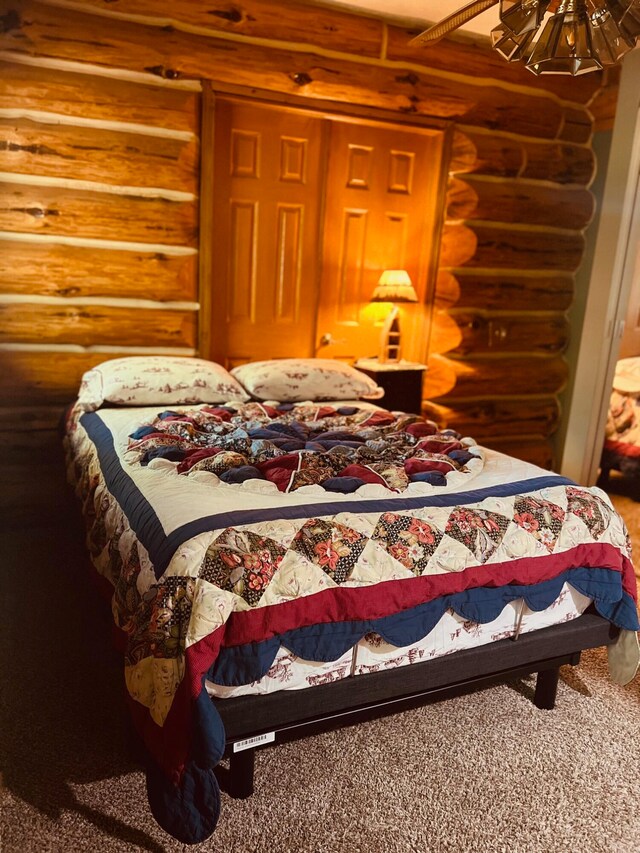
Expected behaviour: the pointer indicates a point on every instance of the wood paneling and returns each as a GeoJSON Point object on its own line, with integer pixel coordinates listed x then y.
{"type": "Point", "coordinates": [501, 247]}
{"type": "Point", "coordinates": [534, 450]}
{"type": "Point", "coordinates": [305, 23]}
{"type": "Point", "coordinates": [521, 163]}
{"type": "Point", "coordinates": [57, 32]}
{"type": "Point", "coordinates": [486, 154]}
{"type": "Point", "coordinates": [507, 157]}
{"type": "Point", "coordinates": [51, 269]}
{"type": "Point", "coordinates": [88, 325]}
{"type": "Point", "coordinates": [96, 154]}
{"type": "Point", "coordinates": [486, 418]}
{"type": "Point", "coordinates": [88, 97]}
{"type": "Point", "coordinates": [474, 56]}
{"type": "Point", "coordinates": [26, 420]}
{"type": "Point", "coordinates": [338, 30]}
{"type": "Point", "coordinates": [577, 126]}
{"type": "Point", "coordinates": [603, 104]}
{"type": "Point", "coordinates": [58, 211]}
{"type": "Point", "coordinates": [50, 378]}
{"type": "Point", "coordinates": [493, 377]}
{"type": "Point", "coordinates": [559, 162]}
{"type": "Point", "coordinates": [65, 136]}
{"type": "Point", "coordinates": [495, 290]}
{"type": "Point", "coordinates": [477, 333]}
{"type": "Point", "coordinates": [524, 202]}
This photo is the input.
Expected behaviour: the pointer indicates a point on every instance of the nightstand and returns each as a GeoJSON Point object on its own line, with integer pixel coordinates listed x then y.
{"type": "Point", "coordinates": [401, 380]}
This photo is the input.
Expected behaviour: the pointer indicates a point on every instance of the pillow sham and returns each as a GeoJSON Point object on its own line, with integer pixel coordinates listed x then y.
{"type": "Point", "coordinates": [152, 380]}
{"type": "Point", "coordinates": [292, 380]}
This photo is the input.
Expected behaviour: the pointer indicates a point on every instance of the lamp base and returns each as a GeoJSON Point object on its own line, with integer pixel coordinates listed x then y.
{"type": "Point", "coordinates": [390, 350]}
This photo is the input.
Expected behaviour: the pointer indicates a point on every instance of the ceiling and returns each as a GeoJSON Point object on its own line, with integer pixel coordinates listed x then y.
{"type": "Point", "coordinates": [420, 11]}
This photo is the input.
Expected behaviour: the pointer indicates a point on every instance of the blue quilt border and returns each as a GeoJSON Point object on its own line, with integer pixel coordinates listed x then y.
{"type": "Point", "coordinates": [239, 665]}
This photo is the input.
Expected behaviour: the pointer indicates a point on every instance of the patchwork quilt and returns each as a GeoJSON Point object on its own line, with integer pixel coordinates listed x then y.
{"type": "Point", "coordinates": [227, 532]}
{"type": "Point", "coordinates": [621, 449]}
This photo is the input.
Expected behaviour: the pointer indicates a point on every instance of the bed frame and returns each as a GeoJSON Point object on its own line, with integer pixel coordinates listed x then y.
{"type": "Point", "coordinates": [299, 713]}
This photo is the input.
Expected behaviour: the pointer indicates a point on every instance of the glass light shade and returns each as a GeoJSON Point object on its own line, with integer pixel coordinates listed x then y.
{"type": "Point", "coordinates": [609, 43]}
{"type": "Point", "coordinates": [522, 16]}
{"type": "Point", "coordinates": [394, 286]}
{"type": "Point", "coordinates": [627, 16]}
{"type": "Point", "coordinates": [565, 46]}
{"type": "Point", "coordinates": [512, 47]}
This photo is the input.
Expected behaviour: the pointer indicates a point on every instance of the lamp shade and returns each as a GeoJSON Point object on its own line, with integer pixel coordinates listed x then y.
{"type": "Point", "coordinates": [394, 286]}
{"type": "Point", "coordinates": [609, 43]}
{"type": "Point", "coordinates": [512, 47]}
{"type": "Point", "coordinates": [626, 14]}
{"type": "Point", "coordinates": [565, 46]}
{"type": "Point", "coordinates": [522, 16]}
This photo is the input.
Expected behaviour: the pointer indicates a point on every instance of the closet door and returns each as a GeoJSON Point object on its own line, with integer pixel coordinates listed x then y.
{"type": "Point", "coordinates": [382, 212]}
{"type": "Point", "coordinates": [267, 194]}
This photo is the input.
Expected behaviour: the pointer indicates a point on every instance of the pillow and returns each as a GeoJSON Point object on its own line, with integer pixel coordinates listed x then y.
{"type": "Point", "coordinates": [154, 380]}
{"type": "Point", "coordinates": [294, 379]}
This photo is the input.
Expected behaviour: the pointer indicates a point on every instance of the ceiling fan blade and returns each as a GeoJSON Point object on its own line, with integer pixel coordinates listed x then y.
{"type": "Point", "coordinates": [452, 22]}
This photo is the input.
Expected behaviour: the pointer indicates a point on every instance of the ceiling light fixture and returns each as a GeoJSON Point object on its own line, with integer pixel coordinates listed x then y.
{"type": "Point", "coordinates": [553, 36]}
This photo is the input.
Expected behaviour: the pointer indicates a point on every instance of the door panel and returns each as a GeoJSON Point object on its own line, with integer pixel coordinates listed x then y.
{"type": "Point", "coordinates": [382, 206]}
{"type": "Point", "coordinates": [268, 163]}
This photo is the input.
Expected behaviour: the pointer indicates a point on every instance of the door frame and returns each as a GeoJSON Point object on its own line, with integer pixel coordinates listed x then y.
{"type": "Point", "coordinates": [609, 287]}
{"type": "Point", "coordinates": [346, 112]}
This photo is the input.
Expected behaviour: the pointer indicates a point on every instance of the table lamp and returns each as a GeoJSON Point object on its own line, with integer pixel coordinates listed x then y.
{"type": "Point", "coordinates": [393, 286]}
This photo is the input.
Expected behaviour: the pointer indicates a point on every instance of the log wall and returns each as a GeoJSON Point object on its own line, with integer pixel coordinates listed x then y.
{"type": "Point", "coordinates": [99, 124]}
{"type": "Point", "coordinates": [98, 228]}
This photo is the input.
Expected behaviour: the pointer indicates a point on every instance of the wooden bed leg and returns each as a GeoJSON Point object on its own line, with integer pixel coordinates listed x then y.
{"type": "Point", "coordinates": [241, 767]}
{"type": "Point", "coordinates": [546, 689]}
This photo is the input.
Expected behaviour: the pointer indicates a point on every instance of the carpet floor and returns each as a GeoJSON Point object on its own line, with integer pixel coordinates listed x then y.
{"type": "Point", "coordinates": [484, 773]}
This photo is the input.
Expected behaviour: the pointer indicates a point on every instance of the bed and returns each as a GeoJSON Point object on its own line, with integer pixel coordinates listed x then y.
{"type": "Point", "coordinates": [280, 567]}
{"type": "Point", "coordinates": [621, 451]}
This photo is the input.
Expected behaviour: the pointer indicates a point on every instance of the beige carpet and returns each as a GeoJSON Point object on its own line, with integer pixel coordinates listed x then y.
{"type": "Point", "coordinates": [484, 773]}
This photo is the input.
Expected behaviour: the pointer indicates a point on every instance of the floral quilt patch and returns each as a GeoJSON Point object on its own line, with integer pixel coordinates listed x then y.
{"type": "Point", "coordinates": [480, 530]}
{"type": "Point", "coordinates": [591, 509]}
{"type": "Point", "coordinates": [242, 562]}
{"type": "Point", "coordinates": [542, 519]}
{"type": "Point", "coordinates": [330, 545]}
{"type": "Point", "coordinates": [408, 540]}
